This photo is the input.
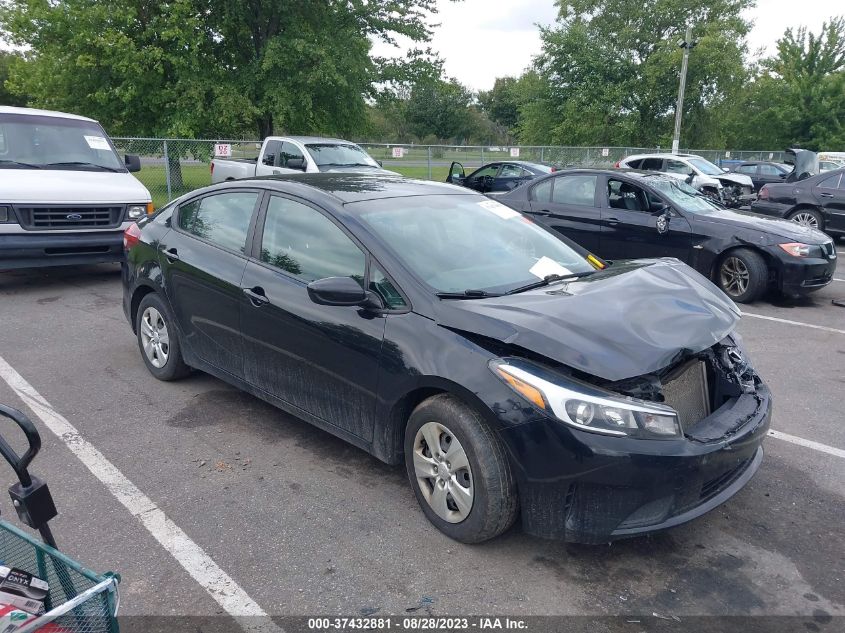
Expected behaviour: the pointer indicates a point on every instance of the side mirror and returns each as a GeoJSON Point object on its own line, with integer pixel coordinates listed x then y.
{"type": "Point", "coordinates": [690, 177]}
{"type": "Point", "coordinates": [296, 163]}
{"type": "Point", "coordinates": [782, 176]}
{"type": "Point", "coordinates": [336, 291]}
{"type": "Point", "coordinates": [133, 162]}
{"type": "Point", "coordinates": [660, 209]}
{"type": "Point", "coordinates": [380, 164]}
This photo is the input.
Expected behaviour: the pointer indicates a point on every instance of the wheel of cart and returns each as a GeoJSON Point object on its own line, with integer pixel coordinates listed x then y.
{"type": "Point", "coordinates": [77, 600]}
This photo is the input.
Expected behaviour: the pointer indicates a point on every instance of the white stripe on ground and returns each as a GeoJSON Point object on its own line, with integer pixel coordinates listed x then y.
{"type": "Point", "coordinates": [824, 328]}
{"type": "Point", "coordinates": [800, 441]}
{"type": "Point", "coordinates": [838, 279]}
{"type": "Point", "coordinates": [191, 556]}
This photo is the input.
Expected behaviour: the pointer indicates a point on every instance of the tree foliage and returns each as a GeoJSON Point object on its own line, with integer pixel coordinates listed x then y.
{"type": "Point", "coordinates": [207, 67]}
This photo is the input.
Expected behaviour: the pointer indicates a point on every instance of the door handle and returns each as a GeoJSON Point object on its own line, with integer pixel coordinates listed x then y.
{"type": "Point", "coordinates": [611, 221]}
{"type": "Point", "coordinates": [826, 195]}
{"type": "Point", "coordinates": [256, 296]}
{"type": "Point", "coordinates": [544, 212]}
{"type": "Point", "coordinates": [171, 254]}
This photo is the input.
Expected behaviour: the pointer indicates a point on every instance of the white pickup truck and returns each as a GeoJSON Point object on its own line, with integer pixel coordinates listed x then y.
{"type": "Point", "coordinates": [298, 154]}
{"type": "Point", "coordinates": [65, 195]}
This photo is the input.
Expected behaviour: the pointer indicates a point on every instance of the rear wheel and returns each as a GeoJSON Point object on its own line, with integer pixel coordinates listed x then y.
{"type": "Point", "coordinates": [158, 340]}
{"type": "Point", "coordinates": [743, 275]}
{"type": "Point", "coordinates": [459, 471]}
{"type": "Point", "coordinates": [808, 217]}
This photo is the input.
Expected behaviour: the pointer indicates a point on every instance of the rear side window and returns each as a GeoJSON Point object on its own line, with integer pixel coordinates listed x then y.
{"type": "Point", "coordinates": [830, 183]}
{"type": "Point", "coordinates": [512, 171]}
{"type": "Point", "coordinates": [577, 190]}
{"type": "Point", "coordinates": [304, 243]}
{"type": "Point", "coordinates": [221, 219]}
{"type": "Point", "coordinates": [634, 164]}
{"type": "Point", "coordinates": [652, 164]}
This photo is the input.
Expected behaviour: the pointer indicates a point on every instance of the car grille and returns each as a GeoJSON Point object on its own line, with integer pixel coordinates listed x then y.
{"type": "Point", "coordinates": [716, 485]}
{"type": "Point", "coordinates": [686, 391]}
{"type": "Point", "coordinates": [69, 217]}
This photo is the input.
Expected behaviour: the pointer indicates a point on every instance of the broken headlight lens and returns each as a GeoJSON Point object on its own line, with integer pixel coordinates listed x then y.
{"type": "Point", "coordinates": [587, 407]}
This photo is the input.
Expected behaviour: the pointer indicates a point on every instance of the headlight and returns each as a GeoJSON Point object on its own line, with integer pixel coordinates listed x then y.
{"type": "Point", "coordinates": [796, 249]}
{"type": "Point", "coordinates": [137, 211]}
{"type": "Point", "coordinates": [587, 407]}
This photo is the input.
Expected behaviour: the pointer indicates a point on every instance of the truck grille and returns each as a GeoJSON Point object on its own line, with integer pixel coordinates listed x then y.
{"type": "Point", "coordinates": [69, 217]}
{"type": "Point", "coordinates": [686, 391]}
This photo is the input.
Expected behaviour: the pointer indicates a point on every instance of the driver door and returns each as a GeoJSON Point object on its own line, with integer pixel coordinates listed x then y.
{"type": "Point", "coordinates": [456, 174]}
{"type": "Point", "coordinates": [482, 180]}
{"type": "Point", "coordinates": [632, 225]}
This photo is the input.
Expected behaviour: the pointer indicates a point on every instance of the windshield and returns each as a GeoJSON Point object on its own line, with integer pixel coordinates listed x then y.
{"type": "Point", "coordinates": [337, 155]}
{"type": "Point", "coordinates": [45, 142]}
{"type": "Point", "coordinates": [682, 195]}
{"type": "Point", "coordinates": [705, 167]}
{"type": "Point", "coordinates": [458, 243]}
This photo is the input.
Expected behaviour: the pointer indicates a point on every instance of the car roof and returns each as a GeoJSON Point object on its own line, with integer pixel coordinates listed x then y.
{"type": "Point", "coordinates": [36, 112]}
{"type": "Point", "coordinates": [661, 155]}
{"type": "Point", "coordinates": [349, 187]}
{"type": "Point", "coordinates": [313, 139]}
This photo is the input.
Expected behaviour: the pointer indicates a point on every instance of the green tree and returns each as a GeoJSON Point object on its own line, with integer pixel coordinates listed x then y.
{"type": "Point", "coordinates": [7, 59]}
{"type": "Point", "coordinates": [440, 108]}
{"type": "Point", "coordinates": [502, 103]}
{"type": "Point", "coordinates": [207, 67]}
{"type": "Point", "coordinates": [609, 71]}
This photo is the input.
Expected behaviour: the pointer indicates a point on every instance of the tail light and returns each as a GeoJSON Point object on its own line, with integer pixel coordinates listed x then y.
{"type": "Point", "coordinates": [131, 237]}
{"type": "Point", "coordinates": [764, 193]}
{"type": "Point", "coordinates": [616, 166]}
{"type": "Point", "coordinates": [554, 169]}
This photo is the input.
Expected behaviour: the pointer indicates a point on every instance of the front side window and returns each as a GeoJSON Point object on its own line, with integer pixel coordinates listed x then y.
{"type": "Point", "coordinates": [624, 195]}
{"type": "Point", "coordinates": [289, 151]}
{"type": "Point", "coordinates": [750, 169]}
{"type": "Point", "coordinates": [490, 170]}
{"type": "Point", "coordinates": [458, 242]}
{"type": "Point", "coordinates": [305, 244]}
{"type": "Point", "coordinates": [272, 153]}
{"type": "Point", "coordinates": [578, 190]}
{"type": "Point", "coordinates": [221, 219]}
{"type": "Point", "coordinates": [48, 142]}
{"type": "Point", "coordinates": [677, 167]}
{"type": "Point", "coordinates": [771, 170]}
{"type": "Point", "coordinates": [383, 287]}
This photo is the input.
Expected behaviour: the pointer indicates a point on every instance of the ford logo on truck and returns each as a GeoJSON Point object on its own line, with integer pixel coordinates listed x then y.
{"type": "Point", "coordinates": [73, 216]}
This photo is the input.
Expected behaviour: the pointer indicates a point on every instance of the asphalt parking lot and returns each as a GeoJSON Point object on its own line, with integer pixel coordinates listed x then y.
{"type": "Point", "coordinates": [306, 524]}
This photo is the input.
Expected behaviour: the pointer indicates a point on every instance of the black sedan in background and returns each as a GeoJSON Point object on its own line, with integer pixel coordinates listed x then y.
{"type": "Point", "coordinates": [763, 172]}
{"type": "Point", "coordinates": [628, 214]}
{"type": "Point", "coordinates": [497, 177]}
{"type": "Point", "coordinates": [434, 327]}
{"type": "Point", "coordinates": [817, 201]}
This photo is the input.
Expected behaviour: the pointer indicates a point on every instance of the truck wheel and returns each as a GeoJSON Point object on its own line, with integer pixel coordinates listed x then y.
{"type": "Point", "coordinates": [158, 340]}
{"type": "Point", "coordinates": [459, 471]}
{"type": "Point", "coordinates": [808, 217]}
{"type": "Point", "coordinates": [742, 275]}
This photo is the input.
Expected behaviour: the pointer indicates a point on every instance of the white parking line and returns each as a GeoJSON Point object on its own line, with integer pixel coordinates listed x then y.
{"type": "Point", "coordinates": [788, 322]}
{"type": "Point", "coordinates": [838, 279]}
{"type": "Point", "coordinates": [800, 441]}
{"type": "Point", "coordinates": [191, 556]}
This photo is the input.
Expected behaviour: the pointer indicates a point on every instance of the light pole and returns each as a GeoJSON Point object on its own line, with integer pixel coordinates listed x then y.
{"type": "Point", "coordinates": [687, 44]}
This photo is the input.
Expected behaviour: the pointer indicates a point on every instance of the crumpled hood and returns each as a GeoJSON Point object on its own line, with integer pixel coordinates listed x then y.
{"type": "Point", "coordinates": [775, 228]}
{"type": "Point", "coordinates": [735, 179]}
{"type": "Point", "coordinates": [631, 319]}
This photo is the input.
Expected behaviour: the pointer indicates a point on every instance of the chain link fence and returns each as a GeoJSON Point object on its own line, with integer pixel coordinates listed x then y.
{"type": "Point", "coordinates": [171, 167]}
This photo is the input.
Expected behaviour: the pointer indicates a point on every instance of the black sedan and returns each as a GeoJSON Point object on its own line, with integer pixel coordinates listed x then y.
{"type": "Point", "coordinates": [630, 214]}
{"type": "Point", "coordinates": [763, 172]}
{"type": "Point", "coordinates": [817, 201]}
{"type": "Point", "coordinates": [429, 325]}
{"type": "Point", "coordinates": [497, 177]}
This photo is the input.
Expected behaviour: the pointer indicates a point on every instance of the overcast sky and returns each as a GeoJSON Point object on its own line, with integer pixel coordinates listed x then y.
{"type": "Point", "coordinates": [481, 40]}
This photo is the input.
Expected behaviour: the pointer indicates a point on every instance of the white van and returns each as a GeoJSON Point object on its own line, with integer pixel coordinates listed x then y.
{"type": "Point", "coordinates": [65, 195]}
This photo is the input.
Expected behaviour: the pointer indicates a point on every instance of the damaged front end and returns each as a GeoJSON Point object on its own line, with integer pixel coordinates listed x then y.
{"type": "Point", "coordinates": [734, 194]}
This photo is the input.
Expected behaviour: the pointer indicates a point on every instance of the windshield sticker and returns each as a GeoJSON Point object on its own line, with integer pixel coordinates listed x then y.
{"type": "Point", "coordinates": [506, 213]}
{"type": "Point", "coordinates": [546, 266]}
{"type": "Point", "coordinates": [97, 142]}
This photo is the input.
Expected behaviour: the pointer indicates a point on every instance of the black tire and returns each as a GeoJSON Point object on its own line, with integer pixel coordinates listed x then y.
{"type": "Point", "coordinates": [800, 216]}
{"type": "Point", "coordinates": [739, 262]}
{"type": "Point", "coordinates": [494, 495]}
{"type": "Point", "coordinates": [174, 366]}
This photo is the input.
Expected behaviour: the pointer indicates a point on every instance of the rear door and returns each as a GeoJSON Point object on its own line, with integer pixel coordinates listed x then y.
{"type": "Point", "coordinates": [203, 260]}
{"type": "Point", "coordinates": [830, 193]}
{"type": "Point", "coordinates": [323, 360]}
{"type": "Point", "coordinates": [632, 225]}
{"type": "Point", "coordinates": [567, 204]}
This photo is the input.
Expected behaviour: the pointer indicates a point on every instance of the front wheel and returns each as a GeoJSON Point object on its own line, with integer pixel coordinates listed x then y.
{"type": "Point", "coordinates": [808, 217]}
{"type": "Point", "coordinates": [459, 471]}
{"type": "Point", "coordinates": [158, 340]}
{"type": "Point", "coordinates": [742, 275]}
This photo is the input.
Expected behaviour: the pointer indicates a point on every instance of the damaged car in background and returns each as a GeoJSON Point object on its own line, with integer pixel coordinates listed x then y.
{"type": "Point", "coordinates": [513, 374]}
{"type": "Point", "coordinates": [730, 189]}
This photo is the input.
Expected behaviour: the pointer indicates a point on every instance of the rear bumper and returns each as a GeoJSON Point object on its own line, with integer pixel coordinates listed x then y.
{"type": "Point", "coordinates": [36, 249]}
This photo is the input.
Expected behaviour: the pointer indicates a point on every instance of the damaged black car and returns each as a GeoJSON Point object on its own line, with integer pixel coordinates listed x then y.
{"type": "Point", "coordinates": [513, 374]}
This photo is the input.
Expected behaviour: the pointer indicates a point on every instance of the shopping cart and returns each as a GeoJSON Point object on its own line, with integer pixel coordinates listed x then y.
{"type": "Point", "coordinates": [78, 601]}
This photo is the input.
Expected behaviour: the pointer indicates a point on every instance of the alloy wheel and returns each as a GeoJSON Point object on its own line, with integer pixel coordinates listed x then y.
{"type": "Point", "coordinates": [735, 276]}
{"type": "Point", "coordinates": [443, 472]}
{"type": "Point", "coordinates": [154, 337]}
{"type": "Point", "coordinates": [806, 219]}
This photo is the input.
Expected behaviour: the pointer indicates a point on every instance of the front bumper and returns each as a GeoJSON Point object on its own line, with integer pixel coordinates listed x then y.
{"type": "Point", "coordinates": [589, 488]}
{"type": "Point", "coordinates": [802, 275]}
{"type": "Point", "coordinates": [32, 249]}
